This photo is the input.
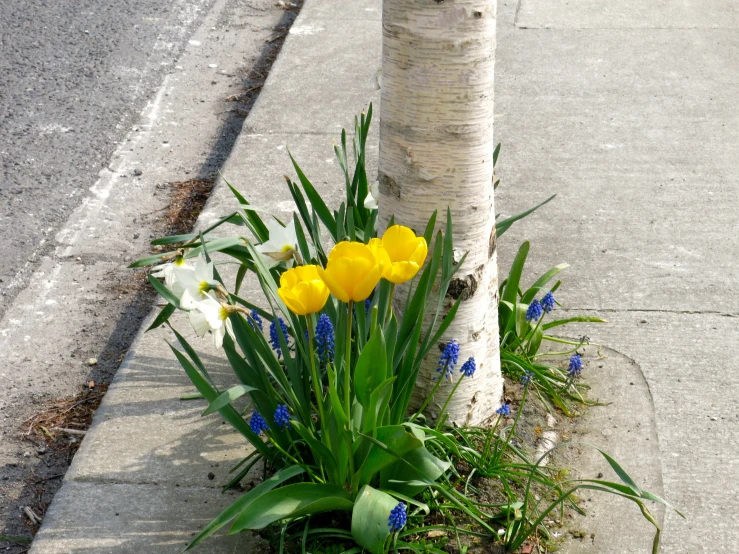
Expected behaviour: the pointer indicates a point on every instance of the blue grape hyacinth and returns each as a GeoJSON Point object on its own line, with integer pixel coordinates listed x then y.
{"type": "Point", "coordinates": [575, 365]}
{"type": "Point", "coordinates": [527, 377]}
{"type": "Point", "coordinates": [255, 321]}
{"type": "Point", "coordinates": [274, 338]}
{"type": "Point", "coordinates": [547, 302]}
{"type": "Point", "coordinates": [257, 423]}
{"type": "Point", "coordinates": [282, 416]}
{"type": "Point", "coordinates": [535, 311]}
{"type": "Point", "coordinates": [504, 410]}
{"type": "Point", "coordinates": [325, 340]}
{"type": "Point", "coordinates": [367, 305]}
{"type": "Point", "coordinates": [448, 360]}
{"type": "Point", "coordinates": [398, 517]}
{"type": "Point", "coordinates": [469, 367]}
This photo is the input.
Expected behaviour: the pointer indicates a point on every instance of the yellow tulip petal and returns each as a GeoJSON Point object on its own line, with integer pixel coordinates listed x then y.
{"type": "Point", "coordinates": [293, 304]}
{"type": "Point", "coordinates": [365, 287]}
{"type": "Point", "coordinates": [288, 279]}
{"type": "Point", "coordinates": [381, 257]}
{"type": "Point", "coordinates": [396, 241]}
{"type": "Point", "coordinates": [420, 251]}
{"type": "Point", "coordinates": [333, 285]}
{"type": "Point", "coordinates": [318, 295]}
{"type": "Point", "coordinates": [402, 272]}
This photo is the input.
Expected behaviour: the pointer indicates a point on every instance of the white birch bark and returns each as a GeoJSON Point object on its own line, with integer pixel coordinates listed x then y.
{"type": "Point", "coordinates": [436, 150]}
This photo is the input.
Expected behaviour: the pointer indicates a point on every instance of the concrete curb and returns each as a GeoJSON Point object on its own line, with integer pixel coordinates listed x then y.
{"type": "Point", "coordinates": [127, 489]}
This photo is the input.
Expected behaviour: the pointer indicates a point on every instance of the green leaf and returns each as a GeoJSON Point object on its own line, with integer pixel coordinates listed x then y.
{"type": "Point", "coordinates": [215, 246]}
{"type": "Point", "coordinates": [290, 502]}
{"type": "Point", "coordinates": [320, 450]}
{"type": "Point", "coordinates": [227, 412]}
{"type": "Point", "coordinates": [163, 291]}
{"type": "Point", "coordinates": [389, 443]}
{"type": "Point", "coordinates": [257, 226]}
{"type": "Point", "coordinates": [502, 226]}
{"type": "Point", "coordinates": [579, 319]}
{"type": "Point", "coordinates": [417, 465]}
{"type": "Point", "coordinates": [173, 239]}
{"type": "Point", "coordinates": [315, 200]}
{"type": "Point", "coordinates": [163, 316]}
{"type": "Point", "coordinates": [336, 406]}
{"type": "Point", "coordinates": [541, 281]}
{"type": "Point", "coordinates": [371, 368]}
{"type": "Point", "coordinates": [510, 293]}
{"type": "Point", "coordinates": [193, 355]}
{"type": "Point", "coordinates": [242, 503]}
{"type": "Point", "coordinates": [622, 474]}
{"type": "Point", "coordinates": [370, 519]}
{"type": "Point", "coordinates": [151, 260]}
{"type": "Point", "coordinates": [227, 397]}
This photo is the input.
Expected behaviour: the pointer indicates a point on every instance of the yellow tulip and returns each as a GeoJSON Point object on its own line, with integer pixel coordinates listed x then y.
{"type": "Point", "coordinates": [302, 290]}
{"type": "Point", "coordinates": [405, 251]}
{"type": "Point", "coordinates": [352, 272]}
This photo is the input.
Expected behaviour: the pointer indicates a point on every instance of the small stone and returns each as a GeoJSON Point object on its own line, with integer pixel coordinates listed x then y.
{"type": "Point", "coordinates": [212, 65]}
{"type": "Point", "coordinates": [26, 454]}
{"type": "Point", "coordinates": [713, 418]}
{"type": "Point", "coordinates": [92, 361]}
{"type": "Point", "coordinates": [137, 172]}
{"type": "Point", "coordinates": [41, 451]}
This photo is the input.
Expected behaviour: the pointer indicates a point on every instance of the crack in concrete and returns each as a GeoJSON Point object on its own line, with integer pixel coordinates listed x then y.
{"type": "Point", "coordinates": [653, 310]}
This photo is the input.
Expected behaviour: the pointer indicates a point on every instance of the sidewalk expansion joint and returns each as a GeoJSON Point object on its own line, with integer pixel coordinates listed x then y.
{"type": "Point", "coordinates": [653, 310]}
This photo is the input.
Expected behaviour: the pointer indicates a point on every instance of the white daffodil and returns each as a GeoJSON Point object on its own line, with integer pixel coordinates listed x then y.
{"type": "Point", "coordinates": [166, 272]}
{"type": "Point", "coordinates": [209, 315]}
{"type": "Point", "coordinates": [281, 245]}
{"type": "Point", "coordinates": [193, 284]}
{"type": "Point", "coordinates": [370, 201]}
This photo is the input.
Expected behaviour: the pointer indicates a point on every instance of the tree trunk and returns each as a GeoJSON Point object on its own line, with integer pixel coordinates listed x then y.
{"type": "Point", "coordinates": [436, 150]}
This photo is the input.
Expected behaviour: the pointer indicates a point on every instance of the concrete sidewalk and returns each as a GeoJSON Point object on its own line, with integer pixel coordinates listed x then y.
{"type": "Point", "coordinates": [627, 113]}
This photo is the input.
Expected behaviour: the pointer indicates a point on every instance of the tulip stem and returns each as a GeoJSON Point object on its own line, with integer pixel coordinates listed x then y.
{"type": "Point", "coordinates": [316, 382]}
{"type": "Point", "coordinates": [389, 314]}
{"type": "Point", "coordinates": [347, 362]}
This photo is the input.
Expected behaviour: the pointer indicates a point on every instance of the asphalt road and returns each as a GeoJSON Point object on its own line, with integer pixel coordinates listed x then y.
{"type": "Point", "coordinates": [73, 75]}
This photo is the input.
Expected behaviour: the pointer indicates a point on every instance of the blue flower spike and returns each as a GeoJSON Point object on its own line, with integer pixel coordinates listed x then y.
{"type": "Point", "coordinates": [282, 416]}
{"type": "Point", "coordinates": [504, 410]}
{"type": "Point", "coordinates": [367, 305]}
{"type": "Point", "coordinates": [257, 423]}
{"type": "Point", "coordinates": [448, 360]}
{"type": "Point", "coordinates": [255, 321]}
{"type": "Point", "coordinates": [398, 518]}
{"type": "Point", "coordinates": [547, 302]}
{"type": "Point", "coordinates": [325, 340]}
{"type": "Point", "coordinates": [535, 311]}
{"type": "Point", "coordinates": [527, 377]}
{"type": "Point", "coordinates": [575, 366]}
{"type": "Point", "coordinates": [274, 338]}
{"type": "Point", "coordinates": [469, 367]}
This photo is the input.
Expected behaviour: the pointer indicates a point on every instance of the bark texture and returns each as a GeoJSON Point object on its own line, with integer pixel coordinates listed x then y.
{"type": "Point", "coordinates": [436, 150]}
